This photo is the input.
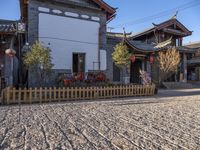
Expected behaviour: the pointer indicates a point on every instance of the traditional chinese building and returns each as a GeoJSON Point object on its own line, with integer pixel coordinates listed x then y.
{"type": "Point", "coordinates": [75, 31]}
{"type": "Point", "coordinates": [11, 42]}
{"type": "Point", "coordinates": [194, 62]}
{"type": "Point", "coordinates": [146, 45]}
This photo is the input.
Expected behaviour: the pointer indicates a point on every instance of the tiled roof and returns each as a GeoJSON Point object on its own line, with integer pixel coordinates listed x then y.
{"type": "Point", "coordinates": [193, 61]}
{"type": "Point", "coordinates": [7, 26]}
{"type": "Point", "coordinates": [145, 31]}
{"type": "Point", "coordinates": [141, 46]}
{"type": "Point", "coordinates": [163, 25]}
{"type": "Point", "coordinates": [118, 35]}
{"type": "Point", "coordinates": [185, 49]}
{"type": "Point", "coordinates": [193, 45]}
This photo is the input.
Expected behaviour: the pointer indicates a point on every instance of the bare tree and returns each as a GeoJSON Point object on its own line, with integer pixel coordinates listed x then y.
{"type": "Point", "coordinates": [168, 63]}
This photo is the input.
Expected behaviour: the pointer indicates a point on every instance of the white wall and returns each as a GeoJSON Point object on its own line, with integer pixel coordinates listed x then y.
{"type": "Point", "coordinates": [65, 36]}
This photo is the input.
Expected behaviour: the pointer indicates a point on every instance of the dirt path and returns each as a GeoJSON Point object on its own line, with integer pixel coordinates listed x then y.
{"type": "Point", "coordinates": [167, 121]}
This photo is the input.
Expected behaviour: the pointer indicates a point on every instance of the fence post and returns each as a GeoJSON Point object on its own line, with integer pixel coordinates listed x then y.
{"type": "Point", "coordinates": [54, 94]}
{"type": "Point", "coordinates": [50, 94]}
{"type": "Point", "coordinates": [153, 88]}
{"type": "Point", "coordinates": [83, 90]}
{"type": "Point", "coordinates": [19, 95]}
{"type": "Point", "coordinates": [41, 95]}
{"type": "Point", "coordinates": [59, 91]}
{"type": "Point", "coordinates": [25, 95]}
{"type": "Point", "coordinates": [30, 95]}
{"type": "Point", "coordinates": [35, 94]}
{"type": "Point", "coordinates": [13, 95]}
{"type": "Point", "coordinates": [67, 90]}
{"type": "Point", "coordinates": [45, 94]}
{"type": "Point", "coordinates": [117, 91]}
{"type": "Point", "coordinates": [8, 96]}
{"type": "Point", "coordinates": [63, 93]}
{"type": "Point", "coordinates": [87, 93]}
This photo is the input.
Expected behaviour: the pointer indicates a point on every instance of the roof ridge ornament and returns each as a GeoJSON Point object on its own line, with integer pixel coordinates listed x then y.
{"type": "Point", "coordinates": [175, 16]}
{"type": "Point", "coordinates": [124, 34]}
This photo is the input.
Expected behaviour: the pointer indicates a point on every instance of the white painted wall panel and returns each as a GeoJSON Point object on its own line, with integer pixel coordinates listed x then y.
{"type": "Point", "coordinates": [103, 59]}
{"type": "Point", "coordinates": [67, 35]}
{"type": "Point", "coordinates": [43, 9]}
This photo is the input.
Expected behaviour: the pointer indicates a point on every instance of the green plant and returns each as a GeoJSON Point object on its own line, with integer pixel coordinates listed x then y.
{"type": "Point", "coordinates": [121, 57]}
{"type": "Point", "coordinates": [38, 59]}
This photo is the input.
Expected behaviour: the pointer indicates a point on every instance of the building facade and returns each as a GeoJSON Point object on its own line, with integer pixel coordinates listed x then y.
{"type": "Point", "coordinates": [146, 45]}
{"type": "Point", "coordinates": [11, 41]}
{"type": "Point", "coordinates": [194, 62]}
{"type": "Point", "coordinates": [75, 31]}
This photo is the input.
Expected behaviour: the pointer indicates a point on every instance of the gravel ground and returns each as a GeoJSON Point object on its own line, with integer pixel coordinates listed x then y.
{"type": "Point", "coordinates": [142, 123]}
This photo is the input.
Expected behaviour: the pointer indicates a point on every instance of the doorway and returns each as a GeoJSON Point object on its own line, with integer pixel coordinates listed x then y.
{"type": "Point", "coordinates": [78, 62]}
{"type": "Point", "coordinates": [135, 72]}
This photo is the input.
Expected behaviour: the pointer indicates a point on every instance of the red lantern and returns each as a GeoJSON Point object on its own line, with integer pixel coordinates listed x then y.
{"type": "Point", "coordinates": [151, 59]}
{"type": "Point", "coordinates": [132, 58]}
{"type": "Point", "coordinates": [10, 52]}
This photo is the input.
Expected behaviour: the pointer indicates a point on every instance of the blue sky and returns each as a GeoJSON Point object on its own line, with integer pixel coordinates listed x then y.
{"type": "Point", "coordinates": [130, 11]}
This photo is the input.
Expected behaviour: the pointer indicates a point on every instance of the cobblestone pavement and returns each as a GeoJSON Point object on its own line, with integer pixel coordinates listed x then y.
{"type": "Point", "coordinates": [140, 123]}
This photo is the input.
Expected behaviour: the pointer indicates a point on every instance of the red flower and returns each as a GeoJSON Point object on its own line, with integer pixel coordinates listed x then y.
{"type": "Point", "coordinates": [101, 77]}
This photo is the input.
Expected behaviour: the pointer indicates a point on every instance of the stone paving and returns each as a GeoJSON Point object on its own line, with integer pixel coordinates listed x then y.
{"type": "Point", "coordinates": [161, 122]}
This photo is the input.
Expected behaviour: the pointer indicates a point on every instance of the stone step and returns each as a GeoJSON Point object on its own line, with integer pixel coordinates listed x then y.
{"type": "Point", "coordinates": [178, 85]}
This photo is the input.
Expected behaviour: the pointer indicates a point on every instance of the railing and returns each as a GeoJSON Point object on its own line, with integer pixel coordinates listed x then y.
{"type": "Point", "coordinates": [14, 96]}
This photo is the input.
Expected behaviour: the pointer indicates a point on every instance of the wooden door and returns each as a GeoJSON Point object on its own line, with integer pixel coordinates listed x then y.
{"type": "Point", "coordinates": [78, 62]}
{"type": "Point", "coordinates": [135, 72]}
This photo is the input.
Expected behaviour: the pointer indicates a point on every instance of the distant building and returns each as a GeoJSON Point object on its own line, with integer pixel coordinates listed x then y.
{"type": "Point", "coordinates": [146, 44]}
{"type": "Point", "coordinates": [11, 37]}
{"type": "Point", "coordinates": [194, 62]}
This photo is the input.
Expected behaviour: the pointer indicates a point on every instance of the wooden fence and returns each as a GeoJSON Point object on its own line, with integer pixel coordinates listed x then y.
{"type": "Point", "coordinates": [14, 96]}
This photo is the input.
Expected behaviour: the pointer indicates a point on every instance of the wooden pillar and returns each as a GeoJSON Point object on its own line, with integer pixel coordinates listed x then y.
{"type": "Point", "coordinates": [148, 67]}
{"type": "Point", "coordinates": [185, 67]}
{"type": "Point", "coordinates": [197, 71]}
{"type": "Point", "coordinates": [143, 65]}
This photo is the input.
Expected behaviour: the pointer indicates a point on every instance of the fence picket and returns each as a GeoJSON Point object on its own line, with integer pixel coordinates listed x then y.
{"type": "Point", "coordinates": [45, 94]}
{"type": "Point", "coordinates": [40, 95]}
{"type": "Point", "coordinates": [83, 93]}
{"type": "Point", "coordinates": [25, 95]}
{"type": "Point", "coordinates": [13, 94]}
{"type": "Point", "coordinates": [67, 90]}
{"type": "Point", "coordinates": [50, 94]}
{"type": "Point", "coordinates": [59, 94]}
{"type": "Point", "coordinates": [8, 96]}
{"type": "Point", "coordinates": [63, 93]}
{"type": "Point", "coordinates": [54, 94]}
{"type": "Point", "coordinates": [30, 95]}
